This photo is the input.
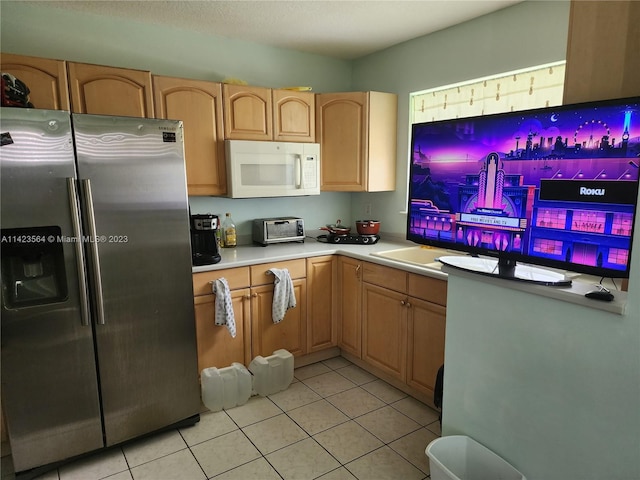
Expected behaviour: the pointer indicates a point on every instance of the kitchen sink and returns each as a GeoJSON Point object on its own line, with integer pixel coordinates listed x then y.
{"type": "Point", "coordinates": [419, 255]}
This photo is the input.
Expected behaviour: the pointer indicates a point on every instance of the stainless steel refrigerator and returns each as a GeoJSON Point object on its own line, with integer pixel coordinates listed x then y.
{"type": "Point", "coordinates": [98, 333]}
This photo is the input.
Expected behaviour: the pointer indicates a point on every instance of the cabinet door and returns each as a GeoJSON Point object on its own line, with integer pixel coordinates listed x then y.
{"type": "Point", "coordinates": [382, 148]}
{"type": "Point", "coordinates": [199, 105]}
{"type": "Point", "coordinates": [430, 289]}
{"type": "Point", "coordinates": [383, 276]}
{"type": "Point", "coordinates": [426, 324]}
{"type": "Point", "coordinates": [384, 329]}
{"type": "Point", "coordinates": [294, 117]}
{"type": "Point", "coordinates": [603, 38]}
{"type": "Point", "coordinates": [46, 79]}
{"type": "Point", "coordinates": [290, 333]}
{"type": "Point", "coordinates": [105, 90]}
{"type": "Point", "coordinates": [321, 305]}
{"type": "Point", "coordinates": [216, 347]}
{"type": "Point", "coordinates": [341, 120]}
{"type": "Point", "coordinates": [247, 113]}
{"type": "Point", "coordinates": [350, 306]}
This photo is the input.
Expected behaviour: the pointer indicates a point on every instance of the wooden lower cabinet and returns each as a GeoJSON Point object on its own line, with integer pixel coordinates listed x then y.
{"type": "Point", "coordinates": [350, 305]}
{"type": "Point", "coordinates": [425, 354]}
{"type": "Point", "coordinates": [403, 325]}
{"type": "Point", "coordinates": [384, 329]}
{"type": "Point", "coordinates": [321, 308]}
{"type": "Point", "coordinates": [386, 318]}
{"type": "Point", "coordinates": [290, 333]}
{"type": "Point", "coordinates": [216, 346]}
{"type": "Point", "coordinates": [252, 298]}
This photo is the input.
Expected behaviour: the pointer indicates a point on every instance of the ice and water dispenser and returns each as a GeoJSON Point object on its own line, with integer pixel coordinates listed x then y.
{"type": "Point", "coordinates": [33, 270]}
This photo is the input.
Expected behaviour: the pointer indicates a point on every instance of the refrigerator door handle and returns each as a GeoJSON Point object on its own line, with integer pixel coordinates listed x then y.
{"type": "Point", "coordinates": [93, 242]}
{"type": "Point", "coordinates": [77, 233]}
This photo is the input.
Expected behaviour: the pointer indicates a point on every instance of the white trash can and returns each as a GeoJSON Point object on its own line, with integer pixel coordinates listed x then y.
{"type": "Point", "coordinates": [458, 457]}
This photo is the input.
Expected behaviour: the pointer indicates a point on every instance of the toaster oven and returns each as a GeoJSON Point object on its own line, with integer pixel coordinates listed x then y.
{"type": "Point", "coordinates": [278, 230]}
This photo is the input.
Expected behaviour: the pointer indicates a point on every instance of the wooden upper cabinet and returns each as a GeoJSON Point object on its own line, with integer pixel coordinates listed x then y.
{"type": "Point", "coordinates": [106, 90]}
{"type": "Point", "coordinates": [294, 118]}
{"type": "Point", "coordinates": [342, 134]}
{"type": "Point", "coordinates": [257, 113]}
{"type": "Point", "coordinates": [602, 51]}
{"type": "Point", "coordinates": [357, 136]}
{"type": "Point", "coordinates": [247, 113]}
{"type": "Point", "coordinates": [46, 79]}
{"type": "Point", "coordinates": [199, 105]}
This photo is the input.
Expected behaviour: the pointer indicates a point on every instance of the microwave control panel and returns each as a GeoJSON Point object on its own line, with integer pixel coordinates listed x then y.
{"type": "Point", "coordinates": [310, 171]}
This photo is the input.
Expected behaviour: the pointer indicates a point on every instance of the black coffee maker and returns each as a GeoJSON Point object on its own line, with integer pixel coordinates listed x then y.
{"type": "Point", "coordinates": [204, 248]}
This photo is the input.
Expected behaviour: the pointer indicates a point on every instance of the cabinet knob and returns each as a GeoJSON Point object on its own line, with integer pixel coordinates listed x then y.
{"type": "Point", "coordinates": [408, 305]}
{"type": "Point", "coordinates": [254, 295]}
{"type": "Point", "coordinates": [403, 303]}
{"type": "Point", "coordinates": [247, 296]}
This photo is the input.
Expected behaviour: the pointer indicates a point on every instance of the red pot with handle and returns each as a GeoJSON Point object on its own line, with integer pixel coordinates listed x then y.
{"type": "Point", "coordinates": [367, 227]}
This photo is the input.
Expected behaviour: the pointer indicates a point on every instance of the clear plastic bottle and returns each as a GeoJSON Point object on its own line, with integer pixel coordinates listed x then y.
{"type": "Point", "coordinates": [229, 229]}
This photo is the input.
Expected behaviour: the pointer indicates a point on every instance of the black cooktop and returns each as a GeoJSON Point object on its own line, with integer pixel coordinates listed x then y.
{"type": "Point", "coordinates": [349, 239]}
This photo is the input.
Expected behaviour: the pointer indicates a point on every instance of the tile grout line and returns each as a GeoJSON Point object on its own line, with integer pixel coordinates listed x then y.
{"type": "Point", "coordinates": [350, 418]}
{"type": "Point", "coordinates": [281, 410]}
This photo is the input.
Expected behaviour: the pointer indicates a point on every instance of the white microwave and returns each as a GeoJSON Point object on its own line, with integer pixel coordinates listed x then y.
{"type": "Point", "coordinates": [272, 169]}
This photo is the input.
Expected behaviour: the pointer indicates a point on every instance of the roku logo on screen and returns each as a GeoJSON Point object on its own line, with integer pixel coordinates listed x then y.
{"type": "Point", "coordinates": [592, 191]}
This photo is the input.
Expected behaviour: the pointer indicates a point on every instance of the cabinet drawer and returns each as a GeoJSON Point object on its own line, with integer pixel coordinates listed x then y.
{"type": "Point", "coordinates": [236, 277]}
{"type": "Point", "coordinates": [387, 277]}
{"type": "Point", "coordinates": [429, 289]}
{"type": "Point", "coordinates": [260, 275]}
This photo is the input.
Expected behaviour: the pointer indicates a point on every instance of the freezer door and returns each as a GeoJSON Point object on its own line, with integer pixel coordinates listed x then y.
{"type": "Point", "coordinates": [133, 181]}
{"type": "Point", "coordinates": [49, 380]}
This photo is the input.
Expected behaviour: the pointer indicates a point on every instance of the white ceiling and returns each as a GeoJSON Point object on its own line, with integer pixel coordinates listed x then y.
{"type": "Point", "coordinates": [343, 29]}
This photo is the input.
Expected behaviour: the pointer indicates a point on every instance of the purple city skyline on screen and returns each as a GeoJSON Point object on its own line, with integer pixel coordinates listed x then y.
{"type": "Point", "coordinates": [555, 185]}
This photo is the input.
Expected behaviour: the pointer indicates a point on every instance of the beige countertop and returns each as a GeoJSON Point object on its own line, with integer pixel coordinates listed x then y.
{"type": "Point", "coordinates": [245, 255]}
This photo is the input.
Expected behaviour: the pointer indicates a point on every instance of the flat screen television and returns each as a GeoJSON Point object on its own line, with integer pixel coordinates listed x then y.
{"type": "Point", "coordinates": [552, 187]}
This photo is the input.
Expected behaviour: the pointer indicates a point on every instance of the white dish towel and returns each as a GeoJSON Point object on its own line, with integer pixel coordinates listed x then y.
{"type": "Point", "coordinates": [284, 297]}
{"type": "Point", "coordinates": [223, 307]}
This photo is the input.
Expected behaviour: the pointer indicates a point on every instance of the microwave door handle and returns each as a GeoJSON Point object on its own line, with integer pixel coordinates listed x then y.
{"type": "Point", "coordinates": [77, 233]}
{"type": "Point", "coordinates": [298, 168]}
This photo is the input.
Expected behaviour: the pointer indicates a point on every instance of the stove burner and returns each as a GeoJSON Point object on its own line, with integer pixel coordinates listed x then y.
{"type": "Point", "coordinates": [349, 239]}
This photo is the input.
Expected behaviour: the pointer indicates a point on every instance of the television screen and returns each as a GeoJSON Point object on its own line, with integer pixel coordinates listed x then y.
{"type": "Point", "coordinates": [556, 187]}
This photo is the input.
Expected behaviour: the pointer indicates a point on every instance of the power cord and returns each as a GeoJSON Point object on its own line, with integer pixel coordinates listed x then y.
{"type": "Point", "coordinates": [605, 289]}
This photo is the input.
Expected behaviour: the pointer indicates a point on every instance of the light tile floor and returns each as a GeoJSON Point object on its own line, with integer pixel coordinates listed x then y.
{"type": "Point", "coordinates": [334, 422]}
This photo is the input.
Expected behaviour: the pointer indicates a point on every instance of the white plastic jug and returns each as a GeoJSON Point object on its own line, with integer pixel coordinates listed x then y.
{"type": "Point", "coordinates": [272, 374]}
{"type": "Point", "coordinates": [225, 387]}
